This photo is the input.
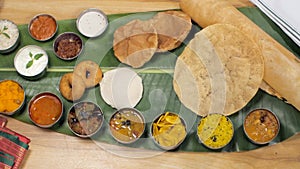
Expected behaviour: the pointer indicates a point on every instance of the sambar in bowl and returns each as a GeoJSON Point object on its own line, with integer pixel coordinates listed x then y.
{"type": "Point", "coordinates": [261, 126]}
{"type": "Point", "coordinates": [127, 125]}
{"type": "Point", "coordinates": [45, 109]}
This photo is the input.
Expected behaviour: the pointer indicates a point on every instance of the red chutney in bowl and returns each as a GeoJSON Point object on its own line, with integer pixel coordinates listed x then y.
{"type": "Point", "coordinates": [43, 27]}
{"type": "Point", "coordinates": [45, 109]}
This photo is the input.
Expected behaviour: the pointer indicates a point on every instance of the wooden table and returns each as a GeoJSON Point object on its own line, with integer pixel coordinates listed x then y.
{"type": "Point", "coordinates": [49, 149]}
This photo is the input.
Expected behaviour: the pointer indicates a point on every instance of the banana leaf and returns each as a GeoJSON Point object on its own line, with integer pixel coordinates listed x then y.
{"type": "Point", "coordinates": [157, 75]}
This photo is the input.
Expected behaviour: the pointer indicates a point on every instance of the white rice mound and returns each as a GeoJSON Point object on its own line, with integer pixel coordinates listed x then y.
{"type": "Point", "coordinates": [12, 32]}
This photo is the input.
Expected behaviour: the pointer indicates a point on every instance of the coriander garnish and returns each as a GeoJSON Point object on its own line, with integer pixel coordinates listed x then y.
{"type": "Point", "coordinates": [3, 33]}
{"type": "Point", "coordinates": [35, 57]}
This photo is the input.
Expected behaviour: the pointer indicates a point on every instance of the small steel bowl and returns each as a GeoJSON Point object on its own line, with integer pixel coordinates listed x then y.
{"type": "Point", "coordinates": [45, 109]}
{"type": "Point", "coordinates": [161, 118]}
{"type": "Point", "coordinates": [9, 36]}
{"type": "Point", "coordinates": [263, 123]}
{"type": "Point", "coordinates": [40, 24]}
{"type": "Point", "coordinates": [13, 92]}
{"type": "Point", "coordinates": [208, 131]}
{"type": "Point", "coordinates": [127, 125]}
{"type": "Point", "coordinates": [91, 22]}
{"type": "Point", "coordinates": [71, 42]}
{"type": "Point", "coordinates": [31, 62]}
{"type": "Point", "coordinates": [83, 116]}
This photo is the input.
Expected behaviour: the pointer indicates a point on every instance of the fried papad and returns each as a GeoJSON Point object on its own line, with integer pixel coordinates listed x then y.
{"type": "Point", "coordinates": [172, 28]}
{"type": "Point", "coordinates": [135, 43]}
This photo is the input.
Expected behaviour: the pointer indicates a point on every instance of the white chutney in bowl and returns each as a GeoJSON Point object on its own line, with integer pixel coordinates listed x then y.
{"type": "Point", "coordinates": [31, 61]}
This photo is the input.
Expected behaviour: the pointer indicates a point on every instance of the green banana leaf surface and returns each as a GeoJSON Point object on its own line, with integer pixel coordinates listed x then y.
{"type": "Point", "coordinates": [157, 75]}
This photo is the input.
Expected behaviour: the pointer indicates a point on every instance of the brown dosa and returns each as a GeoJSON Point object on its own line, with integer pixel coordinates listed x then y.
{"type": "Point", "coordinates": [282, 68]}
{"type": "Point", "coordinates": [219, 71]}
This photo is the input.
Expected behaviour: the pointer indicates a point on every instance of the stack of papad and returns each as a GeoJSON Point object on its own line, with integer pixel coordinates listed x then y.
{"type": "Point", "coordinates": [137, 41]}
{"type": "Point", "coordinates": [172, 28]}
{"type": "Point", "coordinates": [219, 71]}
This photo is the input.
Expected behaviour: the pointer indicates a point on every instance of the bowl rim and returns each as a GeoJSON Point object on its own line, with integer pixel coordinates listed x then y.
{"type": "Point", "coordinates": [92, 10]}
{"type": "Point", "coordinates": [15, 44]}
{"type": "Point", "coordinates": [35, 17]}
{"type": "Point", "coordinates": [167, 148]}
{"type": "Point", "coordinates": [32, 46]}
{"type": "Point", "coordinates": [56, 40]}
{"type": "Point", "coordinates": [23, 102]}
{"type": "Point", "coordinates": [140, 115]}
{"type": "Point", "coordinates": [96, 131]}
{"type": "Point", "coordinates": [273, 114]}
{"type": "Point", "coordinates": [215, 148]}
{"type": "Point", "coordinates": [37, 96]}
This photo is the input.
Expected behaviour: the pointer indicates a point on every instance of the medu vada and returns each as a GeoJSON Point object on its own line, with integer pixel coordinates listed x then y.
{"type": "Point", "coordinates": [71, 86]}
{"type": "Point", "coordinates": [90, 73]}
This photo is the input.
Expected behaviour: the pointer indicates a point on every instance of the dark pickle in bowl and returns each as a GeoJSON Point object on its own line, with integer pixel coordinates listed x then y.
{"type": "Point", "coordinates": [261, 126]}
{"type": "Point", "coordinates": [85, 119]}
{"type": "Point", "coordinates": [68, 46]}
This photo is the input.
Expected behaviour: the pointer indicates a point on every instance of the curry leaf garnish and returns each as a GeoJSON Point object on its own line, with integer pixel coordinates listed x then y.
{"type": "Point", "coordinates": [30, 55]}
{"type": "Point", "coordinates": [35, 57]}
{"type": "Point", "coordinates": [3, 33]}
{"type": "Point", "coordinates": [29, 64]}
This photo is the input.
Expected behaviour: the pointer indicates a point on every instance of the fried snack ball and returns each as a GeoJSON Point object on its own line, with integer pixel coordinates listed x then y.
{"type": "Point", "coordinates": [135, 43]}
{"type": "Point", "coordinates": [71, 86]}
{"type": "Point", "coordinates": [90, 72]}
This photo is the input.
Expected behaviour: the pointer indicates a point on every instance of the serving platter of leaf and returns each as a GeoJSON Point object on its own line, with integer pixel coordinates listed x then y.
{"type": "Point", "coordinates": [157, 75]}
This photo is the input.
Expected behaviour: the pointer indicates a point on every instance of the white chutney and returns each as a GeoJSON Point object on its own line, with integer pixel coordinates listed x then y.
{"type": "Point", "coordinates": [92, 22]}
{"type": "Point", "coordinates": [23, 57]}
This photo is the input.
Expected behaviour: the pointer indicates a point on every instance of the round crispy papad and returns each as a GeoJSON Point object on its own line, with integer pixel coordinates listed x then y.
{"type": "Point", "coordinates": [135, 43]}
{"type": "Point", "coordinates": [172, 28]}
{"type": "Point", "coordinates": [219, 71]}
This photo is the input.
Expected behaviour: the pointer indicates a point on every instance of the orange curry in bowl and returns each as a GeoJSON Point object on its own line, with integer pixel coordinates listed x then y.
{"type": "Point", "coordinates": [45, 109]}
{"type": "Point", "coordinates": [261, 126]}
{"type": "Point", "coordinates": [42, 27]}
